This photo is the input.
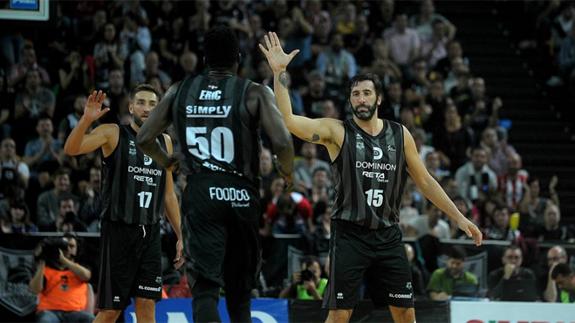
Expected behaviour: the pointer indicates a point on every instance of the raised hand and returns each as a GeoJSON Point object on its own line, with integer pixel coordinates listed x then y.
{"type": "Point", "coordinates": [274, 53]}
{"type": "Point", "coordinates": [93, 108]}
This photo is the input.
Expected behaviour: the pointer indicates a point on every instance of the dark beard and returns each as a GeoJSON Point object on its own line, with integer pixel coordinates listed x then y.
{"type": "Point", "coordinates": [364, 115]}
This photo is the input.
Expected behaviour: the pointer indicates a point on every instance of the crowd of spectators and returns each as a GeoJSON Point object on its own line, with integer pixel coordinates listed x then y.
{"type": "Point", "coordinates": [430, 87]}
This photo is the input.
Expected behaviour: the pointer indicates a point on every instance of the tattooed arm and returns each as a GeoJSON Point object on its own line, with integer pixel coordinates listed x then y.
{"type": "Point", "coordinates": [325, 131]}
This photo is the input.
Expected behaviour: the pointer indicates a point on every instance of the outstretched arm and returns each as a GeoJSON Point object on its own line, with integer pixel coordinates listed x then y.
{"type": "Point", "coordinates": [79, 142]}
{"type": "Point", "coordinates": [276, 130]}
{"type": "Point", "coordinates": [317, 131]}
{"type": "Point", "coordinates": [159, 120]}
{"type": "Point", "coordinates": [433, 191]}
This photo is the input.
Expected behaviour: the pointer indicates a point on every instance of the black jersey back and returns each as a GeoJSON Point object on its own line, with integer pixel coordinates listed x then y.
{"type": "Point", "coordinates": [214, 127]}
{"type": "Point", "coordinates": [370, 173]}
{"type": "Point", "coordinates": [133, 184]}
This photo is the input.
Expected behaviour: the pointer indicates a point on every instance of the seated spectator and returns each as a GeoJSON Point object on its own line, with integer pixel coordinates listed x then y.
{"type": "Point", "coordinates": [454, 51]}
{"type": "Point", "coordinates": [48, 202]}
{"type": "Point", "coordinates": [67, 218]}
{"type": "Point", "coordinates": [500, 228]}
{"type": "Point", "coordinates": [453, 139]}
{"type": "Point", "coordinates": [336, 64]}
{"type": "Point", "coordinates": [564, 277]}
{"type": "Point", "coordinates": [433, 48]}
{"type": "Point", "coordinates": [33, 101]}
{"type": "Point", "coordinates": [27, 62]}
{"type": "Point", "coordinates": [71, 120]}
{"type": "Point", "coordinates": [470, 213]}
{"type": "Point", "coordinates": [407, 213]}
{"type": "Point", "coordinates": [417, 277]}
{"type": "Point", "coordinates": [289, 213]}
{"type": "Point", "coordinates": [533, 206]}
{"type": "Point", "coordinates": [304, 168]}
{"type": "Point", "coordinates": [513, 182]}
{"type": "Point", "coordinates": [475, 179]}
{"type": "Point", "coordinates": [404, 43]}
{"type": "Point", "coordinates": [13, 171]}
{"type": "Point", "coordinates": [420, 138]}
{"type": "Point", "coordinates": [90, 200]}
{"type": "Point", "coordinates": [556, 255]}
{"type": "Point", "coordinates": [512, 282]}
{"type": "Point", "coordinates": [452, 280]}
{"type": "Point", "coordinates": [393, 103]}
{"type": "Point", "coordinates": [566, 57]}
{"type": "Point", "coordinates": [423, 22]}
{"type": "Point", "coordinates": [499, 150]}
{"type": "Point", "coordinates": [61, 283]}
{"type": "Point", "coordinates": [18, 220]}
{"type": "Point", "coordinates": [552, 229]}
{"type": "Point", "coordinates": [306, 284]}
{"type": "Point", "coordinates": [45, 148]}
{"type": "Point", "coordinates": [108, 54]}
{"type": "Point", "coordinates": [429, 223]}
{"type": "Point", "coordinates": [433, 165]}
{"type": "Point", "coordinates": [321, 187]}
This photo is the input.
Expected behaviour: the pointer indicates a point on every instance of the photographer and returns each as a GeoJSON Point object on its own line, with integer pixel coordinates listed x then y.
{"type": "Point", "coordinates": [307, 284]}
{"type": "Point", "coordinates": [61, 283]}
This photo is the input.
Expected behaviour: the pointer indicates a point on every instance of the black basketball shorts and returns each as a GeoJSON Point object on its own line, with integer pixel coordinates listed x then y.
{"type": "Point", "coordinates": [220, 228]}
{"type": "Point", "coordinates": [130, 264]}
{"type": "Point", "coordinates": [376, 258]}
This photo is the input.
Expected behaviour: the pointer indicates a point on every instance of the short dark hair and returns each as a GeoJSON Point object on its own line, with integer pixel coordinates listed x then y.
{"type": "Point", "coordinates": [144, 87]}
{"type": "Point", "coordinates": [66, 197]}
{"type": "Point", "coordinates": [457, 252]}
{"type": "Point", "coordinates": [367, 77]}
{"type": "Point", "coordinates": [309, 260]}
{"type": "Point", "coordinates": [221, 47]}
{"type": "Point", "coordinates": [62, 171]}
{"type": "Point", "coordinates": [561, 269]}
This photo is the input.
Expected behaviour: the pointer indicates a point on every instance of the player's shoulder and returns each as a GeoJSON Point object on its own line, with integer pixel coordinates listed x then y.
{"type": "Point", "coordinates": [108, 128]}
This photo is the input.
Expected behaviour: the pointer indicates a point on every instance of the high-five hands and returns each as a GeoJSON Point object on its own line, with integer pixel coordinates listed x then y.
{"type": "Point", "coordinates": [274, 53]}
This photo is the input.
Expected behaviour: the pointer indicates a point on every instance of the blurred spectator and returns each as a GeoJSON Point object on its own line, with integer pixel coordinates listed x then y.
{"type": "Point", "coordinates": [552, 229]}
{"type": "Point", "coordinates": [321, 235]}
{"type": "Point", "coordinates": [461, 92]}
{"type": "Point", "coordinates": [188, 66]}
{"type": "Point", "coordinates": [433, 165]}
{"type": "Point", "coordinates": [321, 186]}
{"type": "Point", "coordinates": [420, 138]}
{"type": "Point", "coordinates": [135, 42]}
{"type": "Point", "coordinates": [500, 228]}
{"type": "Point", "coordinates": [481, 111]}
{"type": "Point", "coordinates": [475, 179]}
{"type": "Point", "coordinates": [556, 255]}
{"type": "Point", "coordinates": [322, 28]}
{"type": "Point", "coordinates": [404, 43]}
{"type": "Point", "coordinates": [45, 148]}
{"type": "Point", "coordinates": [433, 48]}
{"type": "Point", "coordinates": [329, 110]}
{"type": "Point", "coordinates": [317, 93]}
{"type": "Point", "coordinates": [296, 33]}
{"type": "Point", "coordinates": [336, 64]}
{"type": "Point", "coordinates": [305, 167]}
{"type": "Point", "coordinates": [67, 219]}
{"type": "Point", "coordinates": [454, 51]}
{"type": "Point", "coordinates": [90, 196]}
{"type": "Point", "coordinates": [27, 63]}
{"type": "Point", "coordinates": [6, 106]}
{"type": "Point", "coordinates": [564, 277]}
{"type": "Point", "coordinates": [107, 55]}
{"type": "Point", "coordinates": [417, 278]}
{"type": "Point", "coordinates": [453, 139]}
{"type": "Point", "coordinates": [437, 100]}
{"type": "Point", "coordinates": [291, 213]}
{"type": "Point", "coordinates": [13, 171]}
{"type": "Point", "coordinates": [407, 212]}
{"type": "Point", "coordinates": [566, 57]}
{"type": "Point", "coordinates": [151, 69]}
{"type": "Point", "coordinates": [416, 84]}
{"type": "Point", "coordinates": [48, 202]}
{"type": "Point", "coordinates": [499, 150]}
{"type": "Point", "coordinates": [306, 284]}
{"type": "Point", "coordinates": [511, 281]}
{"type": "Point", "coordinates": [453, 280]}
{"type": "Point", "coordinates": [345, 19]}
{"type": "Point", "coordinates": [393, 102]}
{"type": "Point", "coordinates": [267, 173]}
{"type": "Point", "coordinates": [74, 78]}
{"type": "Point", "coordinates": [71, 120]}
{"type": "Point", "coordinates": [424, 22]}
{"type": "Point", "coordinates": [512, 184]}
{"type": "Point", "coordinates": [33, 100]}
{"type": "Point", "coordinates": [381, 14]}
{"type": "Point", "coordinates": [429, 223]}
{"type": "Point", "coordinates": [18, 220]}
{"type": "Point", "coordinates": [383, 66]}
{"type": "Point", "coordinates": [118, 97]}
{"type": "Point", "coordinates": [470, 213]}
{"type": "Point", "coordinates": [533, 206]}
{"type": "Point", "coordinates": [62, 284]}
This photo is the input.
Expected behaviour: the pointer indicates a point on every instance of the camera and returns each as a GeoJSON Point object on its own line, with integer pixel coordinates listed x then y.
{"type": "Point", "coordinates": [51, 249]}
{"type": "Point", "coordinates": [306, 275]}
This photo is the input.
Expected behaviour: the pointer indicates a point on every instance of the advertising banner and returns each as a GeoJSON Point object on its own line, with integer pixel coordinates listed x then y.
{"type": "Point", "coordinates": [511, 312]}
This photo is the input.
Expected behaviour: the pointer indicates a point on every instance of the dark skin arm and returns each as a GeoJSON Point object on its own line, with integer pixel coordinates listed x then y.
{"type": "Point", "coordinates": [157, 123]}
{"type": "Point", "coordinates": [262, 98]}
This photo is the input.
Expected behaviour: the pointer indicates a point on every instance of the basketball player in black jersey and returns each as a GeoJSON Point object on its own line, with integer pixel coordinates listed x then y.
{"type": "Point", "coordinates": [371, 159]}
{"type": "Point", "coordinates": [216, 117]}
{"type": "Point", "coordinates": [135, 191]}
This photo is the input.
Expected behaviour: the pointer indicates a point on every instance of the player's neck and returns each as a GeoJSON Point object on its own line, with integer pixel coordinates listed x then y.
{"type": "Point", "coordinates": [222, 72]}
{"type": "Point", "coordinates": [134, 126]}
{"type": "Point", "coordinates": [372, 126]}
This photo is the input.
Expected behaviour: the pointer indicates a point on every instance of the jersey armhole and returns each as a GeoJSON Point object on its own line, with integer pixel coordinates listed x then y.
{"type": "Point", "coordinates": [342, 144]}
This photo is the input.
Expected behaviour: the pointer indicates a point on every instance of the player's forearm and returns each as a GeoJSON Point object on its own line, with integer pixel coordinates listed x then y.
{"type": "Point", "coordinates": [74, 141]}
{"type": "Point", "coordinates": [550, 293]}
{"type": "Point", "coordinates": [435, 193]}
{"type": "Point", "coordinates": [282, 94]}
{"type": "Point", "coordinates": [173, 214]}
